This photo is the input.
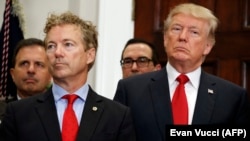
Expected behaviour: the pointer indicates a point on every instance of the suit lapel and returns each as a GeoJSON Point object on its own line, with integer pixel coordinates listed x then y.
{"type": "Point", "coordinates": [205, 100]}
{"type": "Point", "coordinates": [162, 103]}
{"type": "Point", "coordinates": [161, 100]}
{"type": "Point", "coordinates": [91, 115]}
{"type": "Point", "coordinates": [46, 110]}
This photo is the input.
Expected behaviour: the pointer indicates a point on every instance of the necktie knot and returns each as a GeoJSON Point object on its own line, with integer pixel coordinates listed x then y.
{"type": "Point", "coordinates": [182, 79]}
{"type": "Point", "coordinates": [70, 97]}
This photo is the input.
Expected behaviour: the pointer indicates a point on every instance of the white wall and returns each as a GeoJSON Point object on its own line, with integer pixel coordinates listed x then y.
{"type": "Point", "coordinates": [114, 23]}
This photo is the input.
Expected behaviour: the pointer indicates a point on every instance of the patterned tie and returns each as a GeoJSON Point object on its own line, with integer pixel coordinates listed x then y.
{"type": "Point", "coordinates": [179, 102]}
{"type": "Point", "coordinates": [70, 124]}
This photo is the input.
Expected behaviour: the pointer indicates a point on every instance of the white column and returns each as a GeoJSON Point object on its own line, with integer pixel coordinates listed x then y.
{"type": "Point", "coordinates": [115, 27]}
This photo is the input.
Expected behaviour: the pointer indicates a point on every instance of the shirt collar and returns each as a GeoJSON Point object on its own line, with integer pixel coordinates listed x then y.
{"type": "Point", "coordinates": [59, 92]}
{"type": "Point", "coordinates": [194, 76]}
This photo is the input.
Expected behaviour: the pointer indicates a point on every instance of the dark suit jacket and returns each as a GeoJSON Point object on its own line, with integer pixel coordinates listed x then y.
{"type": "Point", "coordinates": [35, 119]}
{"type": "Point", "coordinates": [3, 106]}
{"type": "Point", "coordinates": [148, 97]}
{"type": "Point", "coordinates": [2, 109]}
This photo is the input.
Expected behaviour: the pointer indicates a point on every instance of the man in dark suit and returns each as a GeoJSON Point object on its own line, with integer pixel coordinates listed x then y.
{"type": "Point", "coordinates": [29, 71]}
{"type": "Point", "coordinates": [188, 37]}
{"type": "Point", "coordinates": [71, 45]}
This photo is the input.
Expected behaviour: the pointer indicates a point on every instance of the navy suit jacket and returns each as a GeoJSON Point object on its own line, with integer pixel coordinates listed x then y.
{"type": "Point", "coordinates": [218, 102]}
{"type": "Point", "coordinates": [35, 119]}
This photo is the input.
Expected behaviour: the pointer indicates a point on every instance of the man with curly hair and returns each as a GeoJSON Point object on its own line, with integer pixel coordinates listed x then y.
{"type": "Point", "coordinates": [71, 46]}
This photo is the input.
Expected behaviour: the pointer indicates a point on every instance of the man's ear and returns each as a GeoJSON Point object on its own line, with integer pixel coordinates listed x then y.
{"type": "Point", "coordinates": [208, 47]}
{"type": "Point", "coordinates": [165, 39]}
{"type": "Point", "coordinates": [91, 53]}
{"type": "Point", "coordinates": [157, 66]}
{"type": "Point", "coordinates": [12, 73]}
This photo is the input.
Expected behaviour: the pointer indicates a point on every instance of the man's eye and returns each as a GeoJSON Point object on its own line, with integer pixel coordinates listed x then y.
{"type": "Point", "coordinates": [175, 28]}
{"type": "Point", "coordinates": [40, 64]}
{"type": "Point", "coordinates": [50, 46]}
{"type": "Point", "coordinates": [25, 63]}
{"type": "Point", "coordinates": [194, 33]}
{"type": "Point", "coordinates": [127, 61]}
{"type": "Point", "coordinates": [68, 44]}
{"type": "Point", "coordinates": [143, 59]}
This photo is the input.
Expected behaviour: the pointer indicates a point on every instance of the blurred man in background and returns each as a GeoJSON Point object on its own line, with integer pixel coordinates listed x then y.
{"type": "Point", "coordinates": [139, 56]}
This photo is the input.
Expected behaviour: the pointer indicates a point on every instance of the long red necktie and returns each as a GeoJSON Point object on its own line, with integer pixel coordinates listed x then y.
{"type": "Point", "coordinates": [70, 124]}
{"type": "Point", "coordinates": [179, 102]}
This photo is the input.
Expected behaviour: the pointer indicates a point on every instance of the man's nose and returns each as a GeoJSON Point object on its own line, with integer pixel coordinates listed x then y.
{"type": "Point", "coordinates": [31, 68]}
{"type": "Point", "coordinates": [134, 65]}
{"type": "Point", "coordinates": [183, 35]}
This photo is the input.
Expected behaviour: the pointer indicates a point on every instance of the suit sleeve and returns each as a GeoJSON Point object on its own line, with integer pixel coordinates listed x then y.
{"type": "Point", "coordinates": [127, 131]}
{"type": "Point", "coordinates": [243, 114]}
{"type": "Point", "coordinates": [7, 127]}
{"type": "Point", "coordinates": [120, 94]}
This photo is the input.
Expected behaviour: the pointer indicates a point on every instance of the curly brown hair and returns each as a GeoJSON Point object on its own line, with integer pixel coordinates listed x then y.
{"type": "Point", "coordinates": [88, 30]}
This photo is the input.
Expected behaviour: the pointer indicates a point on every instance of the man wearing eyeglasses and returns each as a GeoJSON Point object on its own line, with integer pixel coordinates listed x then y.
{"type": "Point", "coordinates": [138, 56]}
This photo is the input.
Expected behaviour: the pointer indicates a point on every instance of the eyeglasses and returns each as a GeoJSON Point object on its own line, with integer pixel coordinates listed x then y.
{"type": "Point", "coordinates": [140, 62]}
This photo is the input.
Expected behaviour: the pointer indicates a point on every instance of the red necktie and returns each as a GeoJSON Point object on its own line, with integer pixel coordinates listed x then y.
{"type": "Point", "coordinates": [179, 102]}
{"type": "Point", "coordinates": [70, 124]}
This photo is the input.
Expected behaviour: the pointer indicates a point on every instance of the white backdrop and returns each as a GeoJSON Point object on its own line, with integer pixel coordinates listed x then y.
{"type": "Point", "coordinates": [114, 23]}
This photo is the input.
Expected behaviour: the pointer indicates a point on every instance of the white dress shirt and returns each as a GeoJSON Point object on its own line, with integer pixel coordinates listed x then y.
{"type": "Point", "coordinates": [62, 103]}
{"type": "Point", "coordinates": [191, 87]}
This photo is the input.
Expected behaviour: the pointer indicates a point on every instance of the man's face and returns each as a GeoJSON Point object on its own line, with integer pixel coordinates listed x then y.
{"type": "Point", "coordinates": [134, 52]}
{"type": "Point", "coordinates": [30, 73]}
{"type": "Point", "coordinates": [186, 41]}
{"type": "Point", "coordinates": [67, 53]}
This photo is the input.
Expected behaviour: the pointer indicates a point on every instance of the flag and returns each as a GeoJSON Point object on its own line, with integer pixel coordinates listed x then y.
{"type": "Point", "coordinates": [11, 33]}
{"type": "Point", "coordinates": [210, 91]}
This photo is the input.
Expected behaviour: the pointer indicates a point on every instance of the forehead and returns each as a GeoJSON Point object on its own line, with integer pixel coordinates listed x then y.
{"type": "Point", "coordinates": [137, 50]}
{"type": "Point", "coordinates": [188, 20]}
{"type": "Point", "coordinates": [65, 31]}
{"type": "Point", "coordinates": [33, 51]}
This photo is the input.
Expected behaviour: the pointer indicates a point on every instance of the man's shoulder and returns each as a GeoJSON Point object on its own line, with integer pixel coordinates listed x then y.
{"type": "Point", "coordinates": [222, 82]}
{"type": "Point", "coordinates": [155, 75]}
{"type": "Point", "coordinates": [26, 103]}
{"type": "Point", "coordinates": [111, 103]}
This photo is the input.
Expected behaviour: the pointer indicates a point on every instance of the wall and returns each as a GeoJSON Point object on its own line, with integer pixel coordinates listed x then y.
{"type": "Point", "coordinates": [114, 23]}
